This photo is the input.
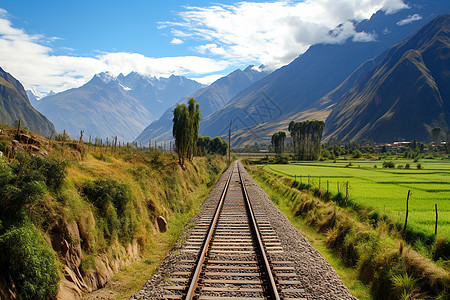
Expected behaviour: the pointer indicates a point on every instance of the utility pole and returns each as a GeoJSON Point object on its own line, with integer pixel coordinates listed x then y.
{"type": "Point", "coordinates": [229, 143]}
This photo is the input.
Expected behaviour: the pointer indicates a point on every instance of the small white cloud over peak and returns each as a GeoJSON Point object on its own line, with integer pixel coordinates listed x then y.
{"type": "Point", "coordinates": [409, 19]}
{"type": "Point", "coordinates": [208, 79]}
{"type": "Point", "coordinates": [176, 41]}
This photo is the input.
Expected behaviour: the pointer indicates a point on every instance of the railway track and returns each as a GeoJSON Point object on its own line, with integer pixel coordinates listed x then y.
{"type": "Point", "coordinates": [233, 252]}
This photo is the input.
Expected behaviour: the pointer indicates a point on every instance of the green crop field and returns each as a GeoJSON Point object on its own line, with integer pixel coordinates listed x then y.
{"type": "Point", "coordinates": [385, 190]}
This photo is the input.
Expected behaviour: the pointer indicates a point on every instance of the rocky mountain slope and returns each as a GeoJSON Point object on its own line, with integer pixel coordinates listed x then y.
{"type": "Point", "coordinates": [404, 95]}
{"type": "Point", "coordinates": [14, 105]}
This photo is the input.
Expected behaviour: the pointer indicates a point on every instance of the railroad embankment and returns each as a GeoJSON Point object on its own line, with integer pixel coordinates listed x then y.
{"type": "Point", "coordinates": [72, 214]}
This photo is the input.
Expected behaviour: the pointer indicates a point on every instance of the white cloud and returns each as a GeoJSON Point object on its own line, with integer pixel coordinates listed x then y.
{"type": "Point", "coordinates": [274, 33]}
{"type": "Point", "coordinates": [29, 58]}
{"type": "Point", "coordinates": [176, 41]}
{"type": "Point", "coordinates": [409, 19]}
{"type": "Point", "coordinates": [208, 79]}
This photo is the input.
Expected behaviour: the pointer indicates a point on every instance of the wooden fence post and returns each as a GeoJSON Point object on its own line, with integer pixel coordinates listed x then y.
{"type": "Point", "coordinates": [406, 216]}
{"type": "Point", "coordinates": [435, 224]}
{"type": "Point", "coordinates": [346, 194]}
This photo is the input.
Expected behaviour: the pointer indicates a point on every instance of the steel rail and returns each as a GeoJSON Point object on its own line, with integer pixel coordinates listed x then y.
{"type": "Point", "coordinates": [194, 281]}
{"type": "Point", "coordinates": [272, 288]}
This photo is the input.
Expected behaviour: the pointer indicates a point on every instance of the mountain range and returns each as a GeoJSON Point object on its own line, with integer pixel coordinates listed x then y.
{"type": "Point", "coordinates": [402, 94]}
{"type": "Point", "coordinates": [109, 106]}
{"type": "Point", "coordinates": [14, 105]}
{"type": "Point", "coordinates": [210, 99]}
{"type": "Point", "coordinates": [295, 92]}
{"type": "Point", "coordinates": [394, 84]}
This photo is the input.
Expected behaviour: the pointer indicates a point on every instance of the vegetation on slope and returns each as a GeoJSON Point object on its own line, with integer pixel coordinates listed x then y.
{"type": "Point", "coordinates": [85, 212]}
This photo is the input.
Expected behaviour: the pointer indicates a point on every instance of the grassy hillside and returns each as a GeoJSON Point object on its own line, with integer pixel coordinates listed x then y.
{"type": "Point", "coordinates": [90, 211]}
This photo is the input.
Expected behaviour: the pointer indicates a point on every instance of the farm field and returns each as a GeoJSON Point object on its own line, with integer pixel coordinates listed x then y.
{"type": "Point", "coordinates": [385, 190]}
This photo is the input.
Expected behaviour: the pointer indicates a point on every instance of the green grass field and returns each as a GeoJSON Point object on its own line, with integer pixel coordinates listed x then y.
{"type": "Point", "coordinates": [385, 190]}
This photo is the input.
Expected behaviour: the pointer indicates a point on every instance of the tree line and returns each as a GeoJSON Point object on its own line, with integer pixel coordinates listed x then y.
{"type": "Point", "coordinates": [306, 138]}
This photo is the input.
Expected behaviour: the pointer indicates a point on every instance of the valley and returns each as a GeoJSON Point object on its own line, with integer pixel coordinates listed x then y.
{"type": "Point", "coordinates": [231, 150]}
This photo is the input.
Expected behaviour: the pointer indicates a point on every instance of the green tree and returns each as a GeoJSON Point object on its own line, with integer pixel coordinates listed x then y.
{"type": "Point", "coordinates": [435, 133]}
{"type": "Point", "coordinates": [194, 121]}
{"type": "Point", "coordinates": [306, 138]}
{"type": "Point", "coordinates": [186, 121]}
{"type": "Point", "coordinates": [278, 142]}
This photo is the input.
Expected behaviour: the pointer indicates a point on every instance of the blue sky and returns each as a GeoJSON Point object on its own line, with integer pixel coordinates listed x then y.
{"type": "Point", "coordinates": [61, 44]}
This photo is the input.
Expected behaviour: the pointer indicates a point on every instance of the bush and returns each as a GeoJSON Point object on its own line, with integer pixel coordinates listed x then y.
{"type": "Point", "coordinates": [280, 159]}
{"type": "Point", "coordinates": [3, 146]}
{"type": "Point", "coordinates": [389, 164]}
{"type": "Point", "coordinates": [30, 262]}
{"type": "Point", "coordinates": [357, 154]}
{"type": "Point", "coordinates": [103, 191]}
{"type": "Point", "coordinates": [19, 187]}
{"type": "Point", "coordinates": [419, 166]}
{"type": "Point", "coordinates": [111, 200]}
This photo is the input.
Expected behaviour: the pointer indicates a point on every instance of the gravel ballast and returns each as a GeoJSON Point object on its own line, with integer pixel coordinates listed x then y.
{"type": "Point", "coordinates": [318, 279]}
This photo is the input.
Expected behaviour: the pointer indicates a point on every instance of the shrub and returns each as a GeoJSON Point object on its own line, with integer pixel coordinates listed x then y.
{"type": "Point", "coordinates": [357, 154]}
{"type": "Point", "coordinates": [52, 170]}
{"type": "Point", "coordinates": [30, 262]}
{"type": "Point", "coordinates": [419, 166]}
{"type": "Point", "coordinates": [441, 249]}
{"type": "Point", "coordinates": [103, 191]}
{"type": "Point", "coordinates": [111, 200]}
{"type": "Point", "coordinates": [407, 166]}
{"type": "Point", "coordinates": [389, 164]}
{"type": "Point", "coordinates": [280, 159]}
{"type": "Point", "coordinates": [19, 187]}
{"type": "Point", "coordinates": [3, 146]}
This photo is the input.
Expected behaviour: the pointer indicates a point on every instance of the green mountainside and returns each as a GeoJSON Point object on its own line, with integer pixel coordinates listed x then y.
{"type": "Point", "coordinates": [405, 95]}
{"type": "Point", "coordinates": [14, 105]}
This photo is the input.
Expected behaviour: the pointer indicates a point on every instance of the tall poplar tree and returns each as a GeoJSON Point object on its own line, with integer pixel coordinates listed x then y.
{"type": "Point", "coordinates": [306, 138]}
{"type": "Point", "coordinates": [278, 142]}
{"type": "Point", "coordinates": [186, 121]}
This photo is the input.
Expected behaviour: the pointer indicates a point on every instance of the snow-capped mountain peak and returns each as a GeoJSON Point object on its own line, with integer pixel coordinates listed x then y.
{"type": "Point", "coordinates": [106, 77]}
{"type": "Point", "coordinates": [37, 94]}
